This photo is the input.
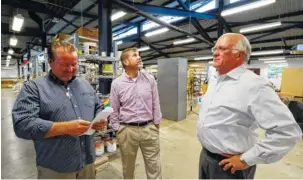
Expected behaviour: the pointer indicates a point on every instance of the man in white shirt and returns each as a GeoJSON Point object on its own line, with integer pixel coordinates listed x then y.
{"type": "Point", "coordinates": [236, 103]}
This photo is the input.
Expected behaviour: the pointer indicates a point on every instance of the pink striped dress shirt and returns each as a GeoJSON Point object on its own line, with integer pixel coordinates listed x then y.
{"type": "Point", "coordinates": [134, 100]}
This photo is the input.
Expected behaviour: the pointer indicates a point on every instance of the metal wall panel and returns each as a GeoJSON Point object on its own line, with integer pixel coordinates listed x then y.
{"type": "Point", "coordinates": [172, 81]}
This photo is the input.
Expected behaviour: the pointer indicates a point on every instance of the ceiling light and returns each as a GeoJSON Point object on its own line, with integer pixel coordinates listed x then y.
{"type": "Point", "coordinates": [269, 62]}
{"type": "Point", "coordinates": [204, 58]}
{"type": "Point", "coordinates": [258, 53]}
{"type": "Point", "coordinates": [260, 27]}
{"type": "Point", "coordinates": [17, 22]}
{"type": "Point", "coordinates": [9, 57]}
{"type": "Point", "coordinates": [155, 32]}
{"type": "Point", "coordinates": [194, 65]}
{"type": "Point", "coordinates": [10, 51]}
{"type": "Point", "coordinates": [246, 7]}
{"type": "Point", "coordinates": [118, 15]}
{"type": "Point", "coordinates": [184, 41]}
{"type": "Point", "coordinates": [119, 42]}
{"type": "Point", "coordinates": [13, 41]}
{"type": "Point", "coordinates": [144, 48]}
{"type": "Point", "coordinates": [271, 59]}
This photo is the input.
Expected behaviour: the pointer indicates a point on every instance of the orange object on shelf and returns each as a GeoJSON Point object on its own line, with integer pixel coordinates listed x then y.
{"type": "Point", "coordinates": [62, 36]}
{"type": "Point", "coordinates": [88, 32]}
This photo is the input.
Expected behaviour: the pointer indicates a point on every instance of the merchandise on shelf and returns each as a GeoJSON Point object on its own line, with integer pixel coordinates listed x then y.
{"type": "Point", "coordinates": [88, 32]}
{"type": "Point", "coordinates": [99, 146]}
{"type": "Point", "coordinates": [111, 145]}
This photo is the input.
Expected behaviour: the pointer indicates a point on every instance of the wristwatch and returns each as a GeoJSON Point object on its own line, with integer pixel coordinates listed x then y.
{"type": "Point", "coordinates": [243, 161]}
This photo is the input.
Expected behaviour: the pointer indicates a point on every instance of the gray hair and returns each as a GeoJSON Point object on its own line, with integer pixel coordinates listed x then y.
{"type": "Point", "coordinates": [244, 45]}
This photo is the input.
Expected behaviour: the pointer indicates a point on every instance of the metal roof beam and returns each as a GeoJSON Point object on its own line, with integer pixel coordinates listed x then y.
{"type": "Point", "coordinates": [196, 24]}
{"type": "Point", "coordinates": [156, 20]}
{"type": "Point", "coordinates": [129, 23]}
{"type": "Point", "coordinates": [41, 8]}
{"type": "Point", "coordinates": [171, 11]}
{"type": "Point", "coordinates": [213, 28]}
{"type": "Point", "coordinates": [155, 49]}
{"type": "Point", "coordinates": [77, 17]}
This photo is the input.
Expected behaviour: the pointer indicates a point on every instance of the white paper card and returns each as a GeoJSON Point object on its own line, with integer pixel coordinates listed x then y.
{"type": "Point", "coordinates": [101, 115]}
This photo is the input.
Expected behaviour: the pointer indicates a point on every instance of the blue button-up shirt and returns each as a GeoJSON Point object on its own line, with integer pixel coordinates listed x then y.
{"type": "Point", "coordinates": [46, 100]}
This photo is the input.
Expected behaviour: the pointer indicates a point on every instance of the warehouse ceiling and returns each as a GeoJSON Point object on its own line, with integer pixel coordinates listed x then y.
{"type": "Point", "coordinates": [61, 16]}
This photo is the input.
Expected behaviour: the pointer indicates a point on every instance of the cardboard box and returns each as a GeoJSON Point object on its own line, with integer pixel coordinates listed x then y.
{"type": "Point", "coordinates": [292, 81]}
{"type": "Point", "coordinates": [88, 32]}
{"type": "Point", "coordinates": [62, 36]}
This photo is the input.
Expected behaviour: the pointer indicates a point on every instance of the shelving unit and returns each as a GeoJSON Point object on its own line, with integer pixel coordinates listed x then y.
{"type": "Point", "coordinates": [94, 60]}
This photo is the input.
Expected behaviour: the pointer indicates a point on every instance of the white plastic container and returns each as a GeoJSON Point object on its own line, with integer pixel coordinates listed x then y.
{"type": "Point", "coordinates": [111, 145]}
{"type": "Point", "coordinates": [99, 146]}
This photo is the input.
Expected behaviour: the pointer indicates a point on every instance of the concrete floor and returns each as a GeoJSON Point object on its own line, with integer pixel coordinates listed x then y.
{"type": "Point", "coordinates": [180, 151]}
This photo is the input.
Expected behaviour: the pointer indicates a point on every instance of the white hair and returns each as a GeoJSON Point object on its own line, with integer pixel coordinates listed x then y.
{"type": "Point", "coordinates": [244, 45]}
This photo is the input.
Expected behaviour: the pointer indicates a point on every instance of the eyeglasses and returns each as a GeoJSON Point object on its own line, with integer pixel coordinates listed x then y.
{"type": "Point", "coordinates": [221, 49]}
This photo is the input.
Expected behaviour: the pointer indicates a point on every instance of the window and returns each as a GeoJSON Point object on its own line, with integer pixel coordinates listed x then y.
{"type": "Point", "coordinates": [127, 33]}
{"type": "Point", "coordinates": [207, 7]}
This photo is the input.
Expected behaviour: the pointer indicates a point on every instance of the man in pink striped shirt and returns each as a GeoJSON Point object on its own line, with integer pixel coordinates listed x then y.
{"type": "Point", "coordinates": [137, 116]}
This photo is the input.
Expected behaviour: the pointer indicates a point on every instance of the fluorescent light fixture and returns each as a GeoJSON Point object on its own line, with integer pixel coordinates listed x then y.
{"type": "Point", "coordinates": [18, 22]}
{"type": "Point", "coordinates": [184, 41]}
{"type": "Point", "coordinates": [118, 15]}
{"type": "Point", "coordinates": [119, 42]}
{"type": "Point", "coordinates": [203, 58]}
{"type": "Point", "coordinates": [271, 59]}
{"type": "Point", "coordinates": [269, 62]}
{"type": "Point", "coordinates": [260, 27]}
{"type": "Point", "coordinates": [144, 48]}
{"type": "Point", "coordinates": [247, 7]}
{"type": "Point", "coordinates": [258, 53]}
{"type": "Point", "coordinates": [13, 41]}
{"type": "Point", "coordinates": [194, 65]}
{"type": "Point", "coordinates": [155, 32]}
{"type": "Point", "coordinates": [10, 51]}
{"type": "Point", "coordinates": [9, 57]}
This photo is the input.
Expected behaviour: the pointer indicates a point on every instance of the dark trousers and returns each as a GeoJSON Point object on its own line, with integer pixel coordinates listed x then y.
{"type": "Point", "coordinates": [209, 168]}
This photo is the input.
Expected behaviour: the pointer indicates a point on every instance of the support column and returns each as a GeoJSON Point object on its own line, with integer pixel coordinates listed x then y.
{"type": "Point", "coordinates": [18, 67]}
{"type": "Point", "coordinates": [105, 41]}
{"type": "Point", "coordinates": [105, 27]}
{"type": "Point", "coordinates": [220, 19]}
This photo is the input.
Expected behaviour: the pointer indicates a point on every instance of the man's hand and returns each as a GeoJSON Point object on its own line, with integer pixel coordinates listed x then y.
{"type": "Point", "coordinates": [100, 125]}
{"type": "Point", "coordinates": [157, 126]}
{"type": "Point", "coordinates": [77, 127]}
{"type": "Point", "coordinates": [234, 163]}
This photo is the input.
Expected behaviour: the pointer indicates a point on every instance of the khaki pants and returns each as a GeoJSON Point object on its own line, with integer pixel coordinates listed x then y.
{"type": "Point", "coordinates": [88, 172]}
{"type": "Point", "coordinates": [130, 138]}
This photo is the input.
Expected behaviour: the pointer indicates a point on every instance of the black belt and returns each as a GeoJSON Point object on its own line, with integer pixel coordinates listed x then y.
{"type": "Point", "coordinates": [215, 156]}
{"type": "Point", "coordinates": [137, 123]}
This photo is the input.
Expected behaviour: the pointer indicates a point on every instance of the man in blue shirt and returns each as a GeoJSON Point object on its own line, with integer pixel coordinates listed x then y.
{"type": "Point", "coordinates": [54, 111]}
